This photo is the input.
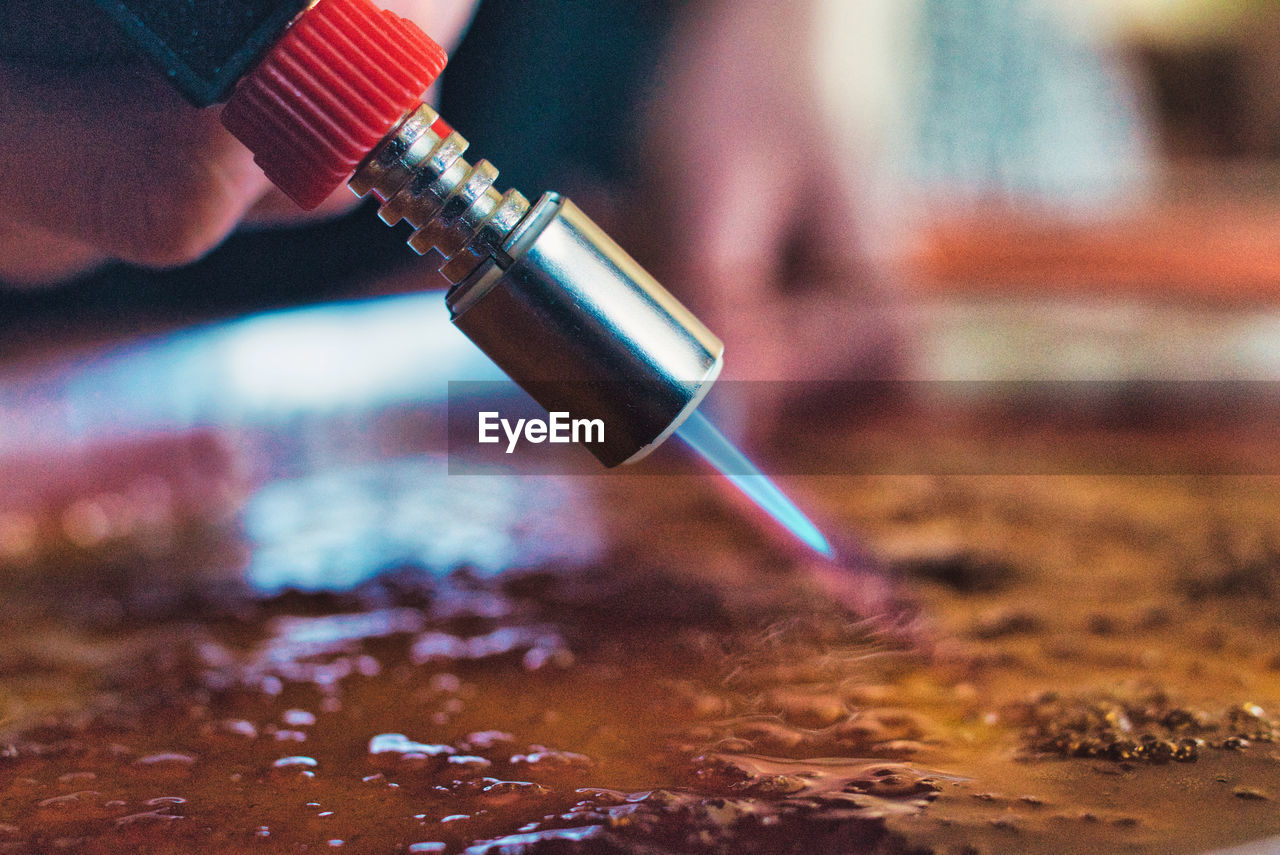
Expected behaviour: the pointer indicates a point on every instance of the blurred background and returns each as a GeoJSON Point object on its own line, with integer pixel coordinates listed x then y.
{"type": "Point", "coordinates": [1115, 156]}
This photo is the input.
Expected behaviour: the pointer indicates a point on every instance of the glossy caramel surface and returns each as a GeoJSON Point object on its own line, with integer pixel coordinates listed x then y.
{"type": "Point", "coordinates": [1048, 663]}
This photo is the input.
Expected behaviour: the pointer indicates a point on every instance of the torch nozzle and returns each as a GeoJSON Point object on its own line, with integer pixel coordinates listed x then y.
{"type": "Point", "coordinates": [420, 175]}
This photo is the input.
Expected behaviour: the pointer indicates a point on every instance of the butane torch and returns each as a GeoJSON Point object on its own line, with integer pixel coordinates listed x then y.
{"type": "Point", "coordinates": [331, 91]}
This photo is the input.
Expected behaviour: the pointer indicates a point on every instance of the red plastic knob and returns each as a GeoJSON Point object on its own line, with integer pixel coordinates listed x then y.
{"type": "Point", "coordinates": [341, 77]}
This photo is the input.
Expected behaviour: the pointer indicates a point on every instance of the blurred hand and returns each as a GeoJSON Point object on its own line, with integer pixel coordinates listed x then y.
{"type": "Point", "coordinates": [109, 163]}
{"type": "Point", "coordinates": [764, 208]}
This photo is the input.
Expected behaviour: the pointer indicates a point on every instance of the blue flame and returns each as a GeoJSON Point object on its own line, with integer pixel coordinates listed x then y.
{"type": "Point", "coordinates": [701, 435]}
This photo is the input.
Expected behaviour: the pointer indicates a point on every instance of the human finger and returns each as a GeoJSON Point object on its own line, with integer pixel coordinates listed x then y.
{"type": "Point", "coordinates": [125, 166]}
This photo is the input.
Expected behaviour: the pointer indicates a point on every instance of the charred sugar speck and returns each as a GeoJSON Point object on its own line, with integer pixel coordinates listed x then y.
{"type": "Point", "coordinates": [1138, 729]}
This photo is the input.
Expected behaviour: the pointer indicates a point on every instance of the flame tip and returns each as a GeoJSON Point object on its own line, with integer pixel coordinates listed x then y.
{"type": "Point", "coordinates": [702, 436]}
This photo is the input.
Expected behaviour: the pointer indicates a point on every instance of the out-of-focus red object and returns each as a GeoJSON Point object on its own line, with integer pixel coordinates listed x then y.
{"type": "Point", "coordinates": [1212, 248]}
{"type": "Point", "coordinates": [106, 492]}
